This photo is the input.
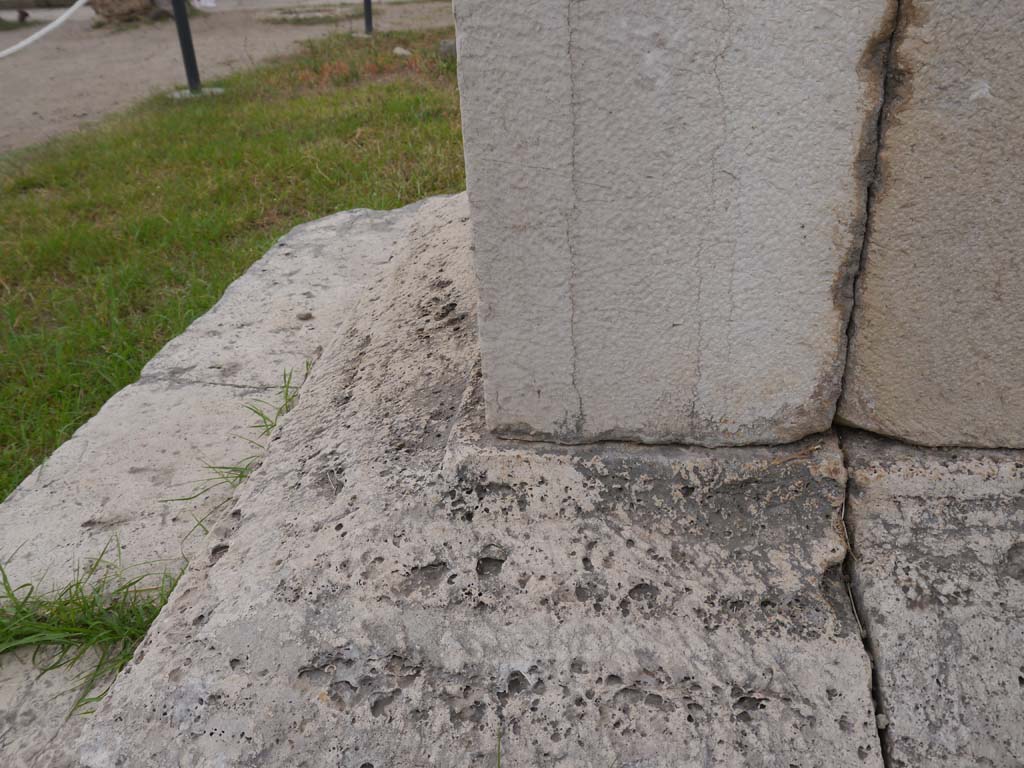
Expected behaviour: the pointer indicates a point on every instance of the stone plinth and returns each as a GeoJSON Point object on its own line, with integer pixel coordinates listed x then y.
{"type": "Point", "coordinates": [937, 350]}
{"type": "Point", "coordinates": [668, 202]}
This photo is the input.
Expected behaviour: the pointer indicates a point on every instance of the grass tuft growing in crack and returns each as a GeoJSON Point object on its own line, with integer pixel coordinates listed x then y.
{"type": "Point", "coordinates": [268, 414]}
{"type": "Point", "coordinates": [95, 621]}
{"type": "Point", "coordinates": [232, 475]}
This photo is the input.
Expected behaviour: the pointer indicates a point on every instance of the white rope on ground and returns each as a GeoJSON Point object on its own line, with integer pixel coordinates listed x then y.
{"type": "Point", "coordinates": [44, 31]}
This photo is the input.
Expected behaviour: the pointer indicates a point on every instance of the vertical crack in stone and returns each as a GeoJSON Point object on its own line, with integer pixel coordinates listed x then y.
{"type": "Point", "coordinates": [888, 40]}
{"type": "Point", "coordinates": [571, 221]}
{"type": "Point", "coordinates": [860, 614]}
{"type": "Point", "coordinates": [886, 86]}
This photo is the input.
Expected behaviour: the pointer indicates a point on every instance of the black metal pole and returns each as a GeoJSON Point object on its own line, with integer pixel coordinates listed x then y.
{"type": "Point", "coordinates": [188, 52]}
{"type": "Point", "coordinates": [368, 16]}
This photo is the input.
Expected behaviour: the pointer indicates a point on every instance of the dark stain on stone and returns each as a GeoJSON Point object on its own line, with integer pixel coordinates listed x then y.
{"type": "Point", "coordinates": [888, 84]}
{"type": "Point", "coordinates": [1013, 562]}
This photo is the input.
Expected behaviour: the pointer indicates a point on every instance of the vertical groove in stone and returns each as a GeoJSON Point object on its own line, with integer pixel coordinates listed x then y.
{"type": "Point", "coordinates": [577, 424]}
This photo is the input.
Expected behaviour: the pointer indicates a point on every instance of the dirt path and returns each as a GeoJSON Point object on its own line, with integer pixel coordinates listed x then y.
{"type": "Point", "coordinates": [80, 73]}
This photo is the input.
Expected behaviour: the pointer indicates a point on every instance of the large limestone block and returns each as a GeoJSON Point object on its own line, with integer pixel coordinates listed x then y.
{"type": "Point", "coordinates": [668, 203]}
{"type": "Point", "coordinates": [938, 538]}
{"type": "Point", "coordinates": [404, 590]}
{"type": "Point", "coordinates": [937, 350]}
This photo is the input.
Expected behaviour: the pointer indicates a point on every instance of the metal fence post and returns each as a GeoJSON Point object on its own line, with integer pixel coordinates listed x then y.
{"type": "Point", "coordinates": [368, 16]}
{"type": "Point", "coordinates": [188, 52]}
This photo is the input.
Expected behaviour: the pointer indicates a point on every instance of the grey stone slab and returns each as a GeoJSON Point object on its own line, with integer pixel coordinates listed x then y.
{"type": "Point", "coordinates": [403, 589]}
{"type": "Point", "coordinates": [276, 316]}
{"type": "Point", "coordinates": [109, 484]}
{"type": "Point", "coordinates": [938, 537]}
{"type": "Point", "coordinates": [937, 350]}
{"type": "Point", "coordinates": [105, 490]}
{"type": "Point", "coordinates": [668, 205]}
{"type": "Point", "coordinates": [34, 711]}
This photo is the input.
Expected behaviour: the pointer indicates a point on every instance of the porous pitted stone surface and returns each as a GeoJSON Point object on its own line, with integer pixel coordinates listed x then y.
{"type": "Point", "coordinates": [937, 349]}
{"type": "Point", "coordinates": [403, 589]}
{"type": "Point", "coordinates": [668, 203]}
{"type": "Point", "coordinates": [106, 488]}
{"type": "Point", "coordinates": [938, 538]}
{"type": "Point", "coordinates": [34, 710]}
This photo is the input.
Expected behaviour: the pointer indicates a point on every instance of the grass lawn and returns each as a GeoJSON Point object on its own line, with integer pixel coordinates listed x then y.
{"type": "Point", "coordinates": [114, 239]}
{"type": "Point", "coordinates": [6, 24]}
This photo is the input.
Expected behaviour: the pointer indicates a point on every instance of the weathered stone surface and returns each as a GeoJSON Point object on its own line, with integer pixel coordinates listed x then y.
{"type": "Point", "coordinates": [937, 352]}
{"type": "Point", "coordinates": [938, 537]}
{"type": "Point", "coordinates": [112, 479]}
{"type": "Point", "coordinates": [668, 204]}
{"type": "Point", "coordinates": [150, 441]}
{"type": "Point", "coordinates": [34, 711]}
{"type": "Point", "coordinates": [403, 589]}
{"type": "Point", "coordinates": [106, 487]}
{"type": "Point", "coordinates": [288, 304]}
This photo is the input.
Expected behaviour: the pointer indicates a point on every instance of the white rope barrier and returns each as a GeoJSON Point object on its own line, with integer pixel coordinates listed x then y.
{"type": "Point", "coordinates": [44, 31]}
